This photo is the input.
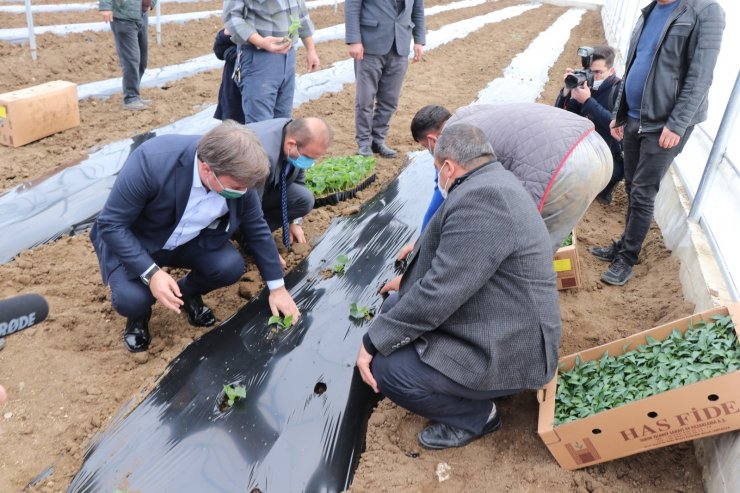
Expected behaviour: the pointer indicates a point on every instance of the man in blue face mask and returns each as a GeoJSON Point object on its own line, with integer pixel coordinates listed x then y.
{"type": "Point", "coordinates": [292, 146]}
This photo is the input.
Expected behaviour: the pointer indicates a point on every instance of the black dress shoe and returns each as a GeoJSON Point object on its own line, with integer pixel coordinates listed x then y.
{"type": "Point", "coordinates": [136, 335]}
{"type": "Point", "coordinates": [384, 150]}
{"type": "Point", "coordinates": [440, 436]}
{"type": "Point", "coordinates": [199, 315]}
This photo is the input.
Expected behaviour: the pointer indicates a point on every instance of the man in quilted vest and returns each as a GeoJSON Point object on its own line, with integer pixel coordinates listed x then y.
{"type": "Point", "coordinates": [558, 156]}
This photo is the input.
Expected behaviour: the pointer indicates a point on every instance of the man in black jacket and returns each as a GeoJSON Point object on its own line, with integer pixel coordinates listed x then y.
{"type": "Point", "coordinates": [596, 103]}
{"type": "Point", "coordinates": [669, 69]}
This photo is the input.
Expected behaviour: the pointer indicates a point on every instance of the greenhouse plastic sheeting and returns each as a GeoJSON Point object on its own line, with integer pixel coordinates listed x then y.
{"type": "Point", "coordinates": [301, 426]}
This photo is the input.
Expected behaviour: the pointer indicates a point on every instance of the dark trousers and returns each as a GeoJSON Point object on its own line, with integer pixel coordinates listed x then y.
{"type": "Point", "coordinates": [412, 384]}
{"type": "Point", "coordinates": [645, 164]}
{"type": "Point", "coordinates": [377, 90]}
{"type": "Point", "coordinates": [267, 84]}
{"type": "Point", "coordinates": [209, 270]}
{"type": "Point", "coordinates": [617, 175]}
{"type": "Point", "coordinates": [300, 203]}
{"type": "Point", "coordinates": [132, 46]}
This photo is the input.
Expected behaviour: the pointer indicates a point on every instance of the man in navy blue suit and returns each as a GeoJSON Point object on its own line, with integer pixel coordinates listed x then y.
{"type": "Point", "coordinates": [176, 203]}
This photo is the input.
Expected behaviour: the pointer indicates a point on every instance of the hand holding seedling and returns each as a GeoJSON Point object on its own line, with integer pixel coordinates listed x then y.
{"type": "Point", "coordinates": [282, 302]}
{"type": "Point", "coordinates": [392, 285]}
{"type": "Point", "coordinates": [165, 289]}
{"type": "Point", "coordinates": [282, 322]}
{"type": "Point", "coordinates": [273, 44]}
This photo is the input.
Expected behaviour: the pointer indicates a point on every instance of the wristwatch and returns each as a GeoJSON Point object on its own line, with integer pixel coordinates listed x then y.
{"type": "Point", "coordinates": [146, 277]}
{"type": "Point", "coordinates": [298, 221]}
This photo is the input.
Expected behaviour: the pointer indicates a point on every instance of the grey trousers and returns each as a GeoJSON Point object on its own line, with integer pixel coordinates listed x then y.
{"type": "Point", "coordinates": [378, 87]}
{"type": "Point", "coordinates": [132, 46]}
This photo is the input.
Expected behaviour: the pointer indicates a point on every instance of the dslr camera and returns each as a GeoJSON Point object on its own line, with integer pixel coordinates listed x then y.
{"type": "Point", "coordinates": [578, 77]}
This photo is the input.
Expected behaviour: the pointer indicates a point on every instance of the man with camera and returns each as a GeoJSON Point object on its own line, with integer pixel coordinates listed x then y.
{"type": "Point", "coordinates": [669, 69]}
{"type": "Point", "coordinates": [591, 93]}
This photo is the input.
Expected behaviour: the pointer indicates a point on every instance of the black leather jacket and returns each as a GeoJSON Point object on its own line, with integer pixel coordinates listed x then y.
{"type": "Point", "coordinates": [675, 93]}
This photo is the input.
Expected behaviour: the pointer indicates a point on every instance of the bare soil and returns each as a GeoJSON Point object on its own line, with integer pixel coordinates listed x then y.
{"type": "Point", "coordinates": [67, 377]}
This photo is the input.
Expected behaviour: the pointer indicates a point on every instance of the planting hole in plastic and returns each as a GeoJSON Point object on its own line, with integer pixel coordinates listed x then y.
{"type": "Point", "coordinates": [713, 397]}
{"type": "Point", "coordinates": [319, 388]}
{"type": "Point", "coordinates": [652, 414]}
{"type": "Point", "coordinates": [256, 490]}
{"type": "Point", "coordinates": [596, 431]}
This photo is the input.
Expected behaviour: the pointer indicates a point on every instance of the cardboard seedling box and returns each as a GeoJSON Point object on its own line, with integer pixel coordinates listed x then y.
{"type": "Point", "coordinates": [36, 112]}
{"type": "Point", "coordinates": [694, 411]}
{"type": "Point", "coordinates": [566, 266]}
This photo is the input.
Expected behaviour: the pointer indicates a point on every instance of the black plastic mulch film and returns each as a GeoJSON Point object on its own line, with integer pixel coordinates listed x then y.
{"type": "Point", "coordinates": [302, 424]}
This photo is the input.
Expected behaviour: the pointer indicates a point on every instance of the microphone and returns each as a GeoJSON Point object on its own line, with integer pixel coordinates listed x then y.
{"type": "Point", "coordinates": [21, 312]}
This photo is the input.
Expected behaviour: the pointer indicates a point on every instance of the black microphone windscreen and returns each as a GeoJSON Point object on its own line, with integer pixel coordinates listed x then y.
{"type": "Point", "coordinates": [21, 312]}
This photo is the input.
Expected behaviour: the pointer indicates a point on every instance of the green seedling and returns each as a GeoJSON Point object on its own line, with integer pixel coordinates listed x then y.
{"type": "Point", "coordinates": [233, 393]}
{"type": "Point", "coordinates": [282, 322]}
{"type": "Point", "coordinates": [568, 241]}
{"type": "Point", "coordinates": [360, 312]}
{"type": "Point", "coordinates": [705, 350]}
{"type": "Point", "coordinates": [338, 173]}
{"type": "Point", "coordinates": [293, 30]}
{"type": "Point", "coordinates": [341, 264]}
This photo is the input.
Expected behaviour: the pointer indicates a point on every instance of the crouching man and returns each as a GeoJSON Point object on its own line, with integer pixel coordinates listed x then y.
{"type": "Point", "coordinates": [474, 318]}
{"type": "Point", "coordinates": [176, 203]}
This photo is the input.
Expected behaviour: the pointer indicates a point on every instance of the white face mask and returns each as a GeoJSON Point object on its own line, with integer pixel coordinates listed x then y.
{"type": "Point", "coordinates": [443, 189]}
{"type": "Point", "coordinates": [597, 83]}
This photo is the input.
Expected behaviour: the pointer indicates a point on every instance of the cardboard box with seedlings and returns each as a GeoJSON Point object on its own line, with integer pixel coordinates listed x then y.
{"type": "Point", "coordinates": [36, 112]}
{"type": "Point", "coordinates": [565, 264]}
{"type": "Point", "coordinates": [676, 382]}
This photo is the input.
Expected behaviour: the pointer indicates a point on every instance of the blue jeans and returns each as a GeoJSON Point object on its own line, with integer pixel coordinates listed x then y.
{"type": "Point", "coordinates": [267, 84]}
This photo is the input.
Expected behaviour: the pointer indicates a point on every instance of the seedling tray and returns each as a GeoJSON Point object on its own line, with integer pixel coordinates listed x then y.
{"type": "Point", "coordinates": [698, 410]}
{"type": "Point", "coordinates": [335, 198]}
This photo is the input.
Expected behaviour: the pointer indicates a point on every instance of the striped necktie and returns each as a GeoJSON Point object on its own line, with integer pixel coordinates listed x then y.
{"type": "Point", "coordinates": [284, 204]}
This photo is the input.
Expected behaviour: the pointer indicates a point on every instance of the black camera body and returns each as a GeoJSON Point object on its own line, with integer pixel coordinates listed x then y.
{"type": "Point", "coordinates": [578, 77]}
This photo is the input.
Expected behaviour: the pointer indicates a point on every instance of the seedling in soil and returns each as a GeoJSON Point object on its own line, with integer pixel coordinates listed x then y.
{"type": "Point", "coordinates": [281, 322]}
{"type": "Point", "coordinates": [360, 312]}
{"type": "Point", "coordinates": [234, 392]}
{"type": "Point", "coordinates": [341, 264]}
{"type": "Point", "coordinates": [568, 241]}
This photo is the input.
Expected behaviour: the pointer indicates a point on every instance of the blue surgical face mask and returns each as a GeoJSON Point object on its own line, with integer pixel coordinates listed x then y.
{"type": "Point", "coordinates": [443, 188]}
{"type": "Point", "coordinates": [302, 162]}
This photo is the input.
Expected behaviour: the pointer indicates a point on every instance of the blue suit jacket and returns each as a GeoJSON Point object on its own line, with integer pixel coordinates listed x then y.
{"type": "Point", "coordinates": [148, 200]}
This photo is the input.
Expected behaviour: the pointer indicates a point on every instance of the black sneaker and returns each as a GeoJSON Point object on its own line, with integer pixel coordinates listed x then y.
{"type": "Point", "coordinates": [607, 253]}
{"type": "Point", "coordinates": [619, 272]}
{"type": "Point", "coordinates": [604, 199]}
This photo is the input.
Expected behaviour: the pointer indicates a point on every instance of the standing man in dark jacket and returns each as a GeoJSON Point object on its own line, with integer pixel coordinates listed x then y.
{"type": "Point", "coordinates": [474, 318]}
{"type": "Point", "coordinates": [597, 103]}
{"type": "Point", "coordinates": [129, 22]}
{"type": "Point", "coordinates": [229, 105]}
{"type": "Point", "coordinates": [379, 34]}
{"type": "Point", "coordinates": [670, 63]}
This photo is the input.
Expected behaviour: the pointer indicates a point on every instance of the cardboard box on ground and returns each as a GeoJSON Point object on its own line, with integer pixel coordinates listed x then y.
{"type": "Point", "coordinates": [36, 112]}
{"type": "Point", "coordinates": [565, 264]}
{"type": "Point", "coordinates": [698, 410]}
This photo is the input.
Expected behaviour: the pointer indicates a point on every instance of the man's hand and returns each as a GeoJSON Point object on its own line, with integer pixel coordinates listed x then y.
{"type": "Point", "coordinates": [581, 93]}
{"type": "Point", "coordinates": [166, 290]}
{"type": "Point", "coordinates": [363, 364]}
{"type": "Point", "coordinates": [668, 139]}
{"type": "Point", "coordinates": [282, 302]}
{"type": "Point", "coordinates": [392, 285]}
{"type": "Point", "coordinates": [296, 233]}
{"type": "Point", "coordinates": [273, 44]}
{"type": "Point", "coordinates": [312, 60]}
{"type": "Point", "coordinates": [418, 52]}
{"type": "Point", "coordinates": [356, 51]}
{"type": "Point", "coordinates": [283, 263]}
{"type": "Point", "coordinates": [107, 15]}
{"type": "Point", "coordinates": [617, 132]}
{"type": "Point", "coordinates": [404, 252]}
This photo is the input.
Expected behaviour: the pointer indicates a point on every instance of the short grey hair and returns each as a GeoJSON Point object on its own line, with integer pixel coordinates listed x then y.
{"type": "Point", "coordinates": [463, 143]}
{"type": "Point", "coordinates": [233, 150]}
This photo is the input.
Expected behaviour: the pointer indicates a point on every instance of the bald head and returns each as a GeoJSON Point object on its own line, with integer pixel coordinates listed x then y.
{"type": "Point", "coordinates": [310, 129]}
